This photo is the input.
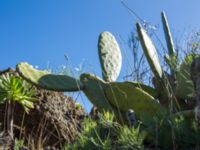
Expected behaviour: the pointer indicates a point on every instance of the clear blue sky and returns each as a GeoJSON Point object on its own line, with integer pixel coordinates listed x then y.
{"type": "Point", "coordinates": [42, 31]}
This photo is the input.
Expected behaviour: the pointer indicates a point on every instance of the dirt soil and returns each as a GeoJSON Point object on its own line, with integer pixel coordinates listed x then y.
{"type": "Point", "coordinates": [55, 120]}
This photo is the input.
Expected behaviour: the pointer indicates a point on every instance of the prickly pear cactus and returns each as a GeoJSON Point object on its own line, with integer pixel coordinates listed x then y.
{"type": "Point", "coordinates": [46, 80]}
{"type": "Point", "coordinates": [118, 97]}
{"type": "Point", "coordinates": [151, 91]}
{"type": "Point", "coordinates": [168, 37]}
{"type": "Point", "coordinates": [94, 90]}
{"type": "Point", "coordinates": [170, 46]}
{"type": "Point", "coordinates": [127, 96]}
{"type": "Point", "coordinates": [177, 85]}
{"type": "Point", "coordinates": [150, 52]}
{"type": "Point", "coordinates": [109, 56]}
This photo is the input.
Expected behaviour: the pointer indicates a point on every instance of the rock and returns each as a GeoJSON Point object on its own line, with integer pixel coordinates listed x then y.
{"type": "Point", "coordinates": [94, 113]}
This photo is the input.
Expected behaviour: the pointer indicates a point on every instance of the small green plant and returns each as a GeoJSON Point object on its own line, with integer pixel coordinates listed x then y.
{"type": "Point", "coordinates": [13, 89]}
{"type": "Point", "coordinates": [107, 134]}
{"type": "Point", "coordinates": [181, 132]}
{"type": "Point", "coordinates": [18, 144]}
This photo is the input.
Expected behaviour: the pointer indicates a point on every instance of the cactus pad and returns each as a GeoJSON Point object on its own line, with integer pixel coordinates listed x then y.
{"type": "Point", "coordinates": [145, 88]}
{"type": "Point", "coordinates": [127, 96]}
{"type": "Point", "coordinates": [47, 80]}
{"type": "Point", "coordinates": [94, 90]}
{"type": "Point", "coordinates": [168, 37]}
{"type": "Point", "coordinates": [110, 56]}
{"type": "Point", "coordinates": [150, 52]}
{"type": "Point", "coordinates": [170, 45]}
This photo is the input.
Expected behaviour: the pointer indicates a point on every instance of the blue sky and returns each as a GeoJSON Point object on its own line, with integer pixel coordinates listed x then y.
{"type": "Point", "coordinates": [42, 31]}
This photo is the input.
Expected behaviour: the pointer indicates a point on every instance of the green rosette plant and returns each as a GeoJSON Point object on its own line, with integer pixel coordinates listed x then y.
{"type": "Point", "coordinates": [13, 89]}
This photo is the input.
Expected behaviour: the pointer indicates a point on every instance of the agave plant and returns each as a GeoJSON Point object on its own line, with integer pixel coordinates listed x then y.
{"type": "Point", "coordinates": [13, 89]}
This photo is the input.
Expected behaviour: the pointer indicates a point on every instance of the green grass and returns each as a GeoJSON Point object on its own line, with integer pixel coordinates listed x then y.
{"type": "Point", "coordinates": [106, 134]}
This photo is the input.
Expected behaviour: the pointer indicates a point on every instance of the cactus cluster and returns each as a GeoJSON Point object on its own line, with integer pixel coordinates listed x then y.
{"type": "Point", "coordinates": [161, 106]}
{"type": "Point", "coordinates": [104, 93]}
{"type": "Point", "coordinates": [107, 94]}
{"type": "Point", "coordinates": [177, 83]}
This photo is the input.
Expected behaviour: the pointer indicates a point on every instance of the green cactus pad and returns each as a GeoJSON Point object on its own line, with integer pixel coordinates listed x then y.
{"type": "Point", "coordinates": [184, 86]}
{"type": "Point", "coordinates": [168, 37]}
{"type": "Point", "coordinates": [94, 90]}
{"type": "Point", "coordinates": [170, 45]}
{"type": "Point", "coordinates": [110, 56]}
{"type": "Point", "coordinates": [47, 80]}
{"type": "Point", "coordinates": [128, 96]}
{"type": "Point", "coordinates": [151, 91]}
{"type": "Point", "coordinates": [150, 52]}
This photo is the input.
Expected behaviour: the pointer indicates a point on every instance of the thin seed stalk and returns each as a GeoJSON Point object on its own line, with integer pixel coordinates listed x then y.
{"type": "Point", "coordinates": [9, 118]}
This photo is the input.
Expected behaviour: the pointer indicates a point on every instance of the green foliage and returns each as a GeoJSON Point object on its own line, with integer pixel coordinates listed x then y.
{"type": "Point", "coordinates": [185, 87]}
{"type": "Point", "coordinates": [15, 89]}
{"type": "Point", "coordinates": [130, 138]}
{"type": "Point", "coordinates": [179, 132]}
{"type": "Point", "coordinates": [78, 106]}
{"type": "Point", "coordinates": [172, 62]}
{"type": "Point", "coordinates": [18, 144]}
{"type": "Point", "coordinates": [107, 134]}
